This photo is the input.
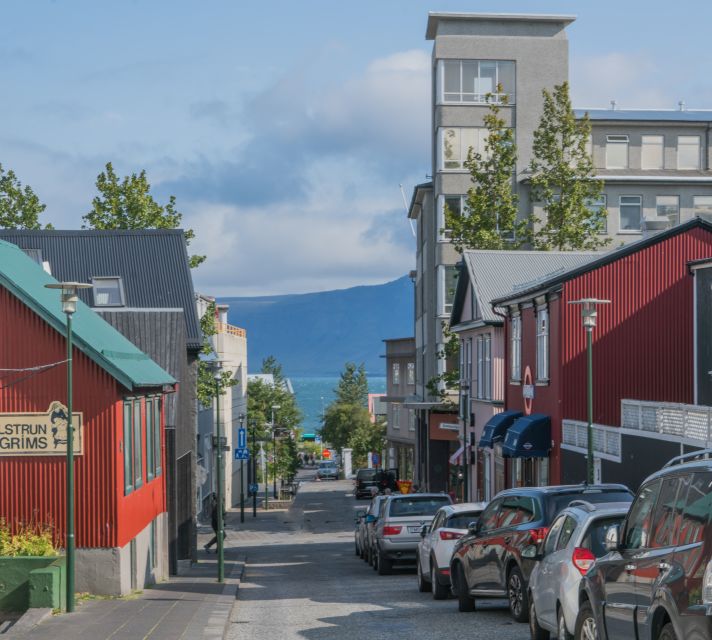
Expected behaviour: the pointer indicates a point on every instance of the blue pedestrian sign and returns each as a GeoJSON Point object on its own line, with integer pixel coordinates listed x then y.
{"type": "Point", "coordinates": [242, 454]}
{"type": "Point", "coordinates": [253, 488]}
{"type": "Point", "coordinates": [242, 438]}
{"type": "Point", "coordinates": [317, 439]}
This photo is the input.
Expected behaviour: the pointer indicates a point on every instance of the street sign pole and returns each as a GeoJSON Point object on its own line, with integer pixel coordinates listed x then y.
{"type": "Point", "coordinates": [242, 444]}
{"type": "Point", "coordinates": [254, 470]}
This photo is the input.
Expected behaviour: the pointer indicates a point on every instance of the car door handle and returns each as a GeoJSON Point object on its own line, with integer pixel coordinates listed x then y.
{"type": "Point", "coordinates": [630, 567]}
{"type": "Point", "coordinates": [664, 566]}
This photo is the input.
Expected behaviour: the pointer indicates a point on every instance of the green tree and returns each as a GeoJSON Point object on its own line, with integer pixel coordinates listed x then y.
{"type": "Point", "coordinates": [353, 385]}
{"type": "Point", "coordinates": [128, 204]}
{"type": "Point", "coordinates": [207, 386]}
{"type": "Point", "coordinates": [271, 366]}
{"type": "Point", "coordinates": [440, 385]}
{"type": "Point", "coordinates": [489, 216]}
{"type": "Point", "coordinates": [366, 437]}
{"type": "Point", "coordinates": [20, 208]}
{"type": "Point", "coordinates": [340, 421]}
{"type": "Point", "coordinates": [563, 179]}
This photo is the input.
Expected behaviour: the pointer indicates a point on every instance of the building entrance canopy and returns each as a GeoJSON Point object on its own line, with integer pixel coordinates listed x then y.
{"type": "Point", "coordinates": [496, 427]}
{"type": "Point", "coordinates": [528, 437]}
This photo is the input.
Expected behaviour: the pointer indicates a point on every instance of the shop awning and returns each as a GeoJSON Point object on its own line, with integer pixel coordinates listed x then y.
{"type": "Point", "coordinates": [496, 427]}
{"type": "Point", "coordinates": [528, 437]}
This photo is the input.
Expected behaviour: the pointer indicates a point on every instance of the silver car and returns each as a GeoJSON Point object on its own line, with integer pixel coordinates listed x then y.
{"type": "Point", "coordinates": [366, 527]}
{"type": "Point", "coordinates": [575, 539]}
{"type": "Point", "coordinates": [397, 531]}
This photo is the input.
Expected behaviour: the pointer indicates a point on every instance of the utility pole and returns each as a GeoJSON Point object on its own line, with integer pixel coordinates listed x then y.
{"type": "Point", "coordinates": [254, 469]}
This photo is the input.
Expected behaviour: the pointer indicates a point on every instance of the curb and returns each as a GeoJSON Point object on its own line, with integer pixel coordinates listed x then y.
{"type": "Point", "coordinates": [28, 621]}
{"type": "Point", "coordinates": [231, 589]}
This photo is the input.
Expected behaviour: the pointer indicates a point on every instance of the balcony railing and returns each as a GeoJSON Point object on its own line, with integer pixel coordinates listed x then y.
{"type": "Point", "coordinates": [223, 327]}
{"type": "Point", "coordinates": [686, 421]}
{"type": "Point", "coordinates": [606, 440]}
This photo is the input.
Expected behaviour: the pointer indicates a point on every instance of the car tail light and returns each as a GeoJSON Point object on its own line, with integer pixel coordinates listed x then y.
{"type": "Point", "coordinates": [707, 584]}
{"type": "Point", "coordinates": [583, 559]}
{"type": "Point", "coordinates": [391, 531]}
{"type": "Point", "coordinates": [450, 535]}
{"type": "Point", "coordinates": [537, 535]}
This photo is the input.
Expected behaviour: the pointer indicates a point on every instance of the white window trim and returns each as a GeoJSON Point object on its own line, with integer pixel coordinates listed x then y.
{"type": "Point", "coordinates": [97, 279]}
{"type": "Point", "coordinates": [484, 367]}
{"type": "Point", "coordinates": [661, 144]}
{"type": "Point", "coordinates": [630, 231]}
{"type": "Point", "coordinates": [699, 154]}
{"type": "Point", "coordinates": [516, 348]}
{"type": "Point", "coordinates": [542, 345]}
{"type": "Point", "coordinates": [445, 236]}
{"type": "Point", "coordinates": [618, 140]}
{"type": "Point", "coordinates": [511, 98]}
{"type": "Point", "coordinates": [462, 153]}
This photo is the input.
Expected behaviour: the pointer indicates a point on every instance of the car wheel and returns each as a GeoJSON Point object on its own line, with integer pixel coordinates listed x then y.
{"type": "Point", "coordinates": [535, 631]}
{"type": "Point", "coordinates": [465, 602]}
{"type": "Point", "coordinates": [439, 591]}
{"type": "Point", "coordinates": [667, 633]}
{"type": "Point", "coordinates": [517, 593]}
{"type": "Point", "coordinates": [374, 560]}
{"type": "Point", "coordinates": [563, 632]}
{"type": "Point", "coordinates": [423, 585]}
{"type": "Point", "coordinates": [385, 566]}
{"type": "Point", "coordinates": [586, 627]}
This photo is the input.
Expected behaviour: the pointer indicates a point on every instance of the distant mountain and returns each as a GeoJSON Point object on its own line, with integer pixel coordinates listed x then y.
{"type": "Point", "coordinates": [316, 333]}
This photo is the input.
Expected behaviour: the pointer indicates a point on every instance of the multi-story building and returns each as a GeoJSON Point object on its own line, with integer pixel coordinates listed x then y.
{"type": "Point", "coordinates": [655, 166]}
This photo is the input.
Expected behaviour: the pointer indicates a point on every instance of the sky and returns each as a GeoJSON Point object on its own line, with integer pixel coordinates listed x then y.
{"type": "Point", "coordinates": [285, 128]}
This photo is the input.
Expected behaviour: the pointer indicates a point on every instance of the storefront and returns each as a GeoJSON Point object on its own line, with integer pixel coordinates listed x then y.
{"type": "Point", "coordinates": [527, 444]}
{"type": "Point", "coordinates": [492, 462]}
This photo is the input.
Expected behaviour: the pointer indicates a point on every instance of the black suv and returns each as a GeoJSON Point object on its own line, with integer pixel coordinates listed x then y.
{"type": "Point", "coordinates": [382, 479]}
{"type": "Point", "coordinates": [656, 581]}
{"type": "Point", "coordinates": [488, 562]}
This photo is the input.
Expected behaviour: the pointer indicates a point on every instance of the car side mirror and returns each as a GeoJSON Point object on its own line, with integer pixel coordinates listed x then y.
{"type": "Point", "coordinates": [370, 518]}
{"type": "Point", "coordinates": [424, 531]}
{"type": "Point", "coordinates": [531, 551]}
{"type": "Point", "coordinates": [473, 528]}
{"type": "Point", "coordinates": [613, 538]}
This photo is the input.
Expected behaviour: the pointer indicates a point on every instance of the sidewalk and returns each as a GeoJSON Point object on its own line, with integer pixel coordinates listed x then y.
{"type": "Point", "coordinates": [190, 606]}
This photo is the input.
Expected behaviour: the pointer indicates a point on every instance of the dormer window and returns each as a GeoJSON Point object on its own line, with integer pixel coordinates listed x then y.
{"type": "Point", "coordinates": [108, 292]}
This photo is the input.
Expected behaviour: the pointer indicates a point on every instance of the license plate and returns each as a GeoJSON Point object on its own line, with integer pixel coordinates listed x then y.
{"type": "Point", "coordinates": [414, 529]}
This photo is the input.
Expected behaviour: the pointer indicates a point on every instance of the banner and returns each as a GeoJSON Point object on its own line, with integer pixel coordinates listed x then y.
{"type": "Point", "coordinates": [40, 434]}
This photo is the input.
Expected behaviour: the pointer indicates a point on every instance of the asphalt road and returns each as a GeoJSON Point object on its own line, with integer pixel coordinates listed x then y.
{"type": "Point", "coordinates": [303, 580]}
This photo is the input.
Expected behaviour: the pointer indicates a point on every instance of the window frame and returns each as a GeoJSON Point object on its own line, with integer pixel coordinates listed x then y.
{"type": "Point", "coordinates": [477, 98]}
{"type": "Point", "coordinates": [443, 233]}
{"type": "Point", "coordinates": [542, 344]}
{"type": "Point", "coordinates": [650, 145]}
{"type": "Point", "coordinates": [410, 373]}
{"type": "Point", "coordinates": [516, 348]}
{"type": "Point", "coordinates": [149, 439]}
{"type": "Point", "coordinates": [119, 280]}
{"type": "Point", "coordinates": [696, 208]}
{"type": "Point", "coordinates": [666, 215]}
{"type": "Point", "coordinates": [484, 367]}
{"type": "Point", "coordinates": [138, 453]}
{"type": "Point", "coordinates": [481, 135]}
{"type": "Point", "coordinates": [128, 446]}
{"type": "Point", "coordinates": [698, 162]}
{"type": "Point", "coordinates": [621, 229]}
{"type": "Point", "coordinates": [618, 139]}
{"type": "Point", "coordinates": [657, 483]}
{"type": "Point", "coordinates": [395, 374]}
{"type": "Point", "coordinates": [602, 203]}
{"type": "Point", "coordinates": [157, 433]}
{"type": "Point", "coordinates": [445, 307]}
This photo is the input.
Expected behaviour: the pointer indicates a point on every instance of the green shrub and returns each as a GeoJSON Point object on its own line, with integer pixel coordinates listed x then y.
{"type": "Point", "coordinates": [34, 540]}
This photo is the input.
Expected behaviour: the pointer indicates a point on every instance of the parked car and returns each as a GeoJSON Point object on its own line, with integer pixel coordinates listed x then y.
{"type": "Point", "coordinates": [397, 530]}
{"type": "Point", "coordinates": [327, 470]}
{"type": "Point", "coordinates": [488, 562]}
{"type": "Point", "coordinates": [367, 527]}
{"type": "Point", "coordinates": [656, 581]}
{"type": "Point", "coordinates": [576, 538]}
{"type": "Point", "coordinates": [437, 541]}
{"type": "Point", "coordinates": [366, 479]}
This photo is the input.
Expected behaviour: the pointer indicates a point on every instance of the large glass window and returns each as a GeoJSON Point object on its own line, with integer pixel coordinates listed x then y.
{"type": "Point", "coordinates": [477, 81]}
{"type": "Point", "coordinates": [542, 344]}
{"type": "Point", "coordinates": [516, 350]}
{"type": "Point", "coordinates": [616, 152]}
{"type": "Point", "coordinates": [128, 448]}
{"type": "Point", "coordinates": [688, 152]}
{"type": "Point", "coordinates": [630, 212]}
{"type": "Point", "coordinates": [702, 207]}
{"type": "Point", "coordinates": [652, 152]}
{"type": "Point", "coordinates": [108, 292]}
{"type": "Point", "coordinates": [455, 145]}
{"type": "Point", "coordinates": [668, 207]}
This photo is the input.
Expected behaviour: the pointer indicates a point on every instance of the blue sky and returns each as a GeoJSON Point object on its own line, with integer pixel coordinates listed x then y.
{"type": "Point", "coordinates": [284, 128]}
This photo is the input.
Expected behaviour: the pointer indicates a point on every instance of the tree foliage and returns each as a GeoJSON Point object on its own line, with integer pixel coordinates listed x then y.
{"type": "Point", "coordinates": [366, 437]}
{"type": "Point", "coordinates": [353, 385]}
{"type": "Point", "coordinates": [128, 204]}
{"type": "Point", "coordinates": [563, 179]}
{"type": "Point", "coordinates": [489, 216]}
{"type": "Point", "coordinates": [20, 208]}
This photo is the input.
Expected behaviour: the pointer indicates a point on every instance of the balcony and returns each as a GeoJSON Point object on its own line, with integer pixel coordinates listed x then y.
{"type": "Point", "coordinates": [680, 421]}
{"type": "Point", "coordinates": [223, 327]}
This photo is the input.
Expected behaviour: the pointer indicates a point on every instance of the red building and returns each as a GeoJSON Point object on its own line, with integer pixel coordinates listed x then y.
{"type": "Point", "coordinates": [643, 349]}
{"type": "Point", "coordinates": [118, 403]}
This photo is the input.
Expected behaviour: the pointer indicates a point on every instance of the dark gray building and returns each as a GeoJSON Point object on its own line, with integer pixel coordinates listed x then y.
{"type": "Point", "coordinates": [144, 288]}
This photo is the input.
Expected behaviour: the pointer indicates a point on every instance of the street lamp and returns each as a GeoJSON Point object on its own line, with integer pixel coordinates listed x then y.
{"type": "Point", "coordinates": [253, 424]}
{"type": "Point", "coordinates": [274, 453]}
{"type": "Point", "coordinates": [589, 315]}
{"type": "Point", "coordinates": [69, 306]}
{"type": "Point", "coordinates": [216, 368]}
{"type": "Point", "coordinates": [241, 418]}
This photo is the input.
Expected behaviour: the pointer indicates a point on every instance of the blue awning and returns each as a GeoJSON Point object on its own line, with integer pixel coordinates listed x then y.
{"type": "Point", "coordinates": [496, 427]}
{"type": "Point", "coordinates": [528, 437]}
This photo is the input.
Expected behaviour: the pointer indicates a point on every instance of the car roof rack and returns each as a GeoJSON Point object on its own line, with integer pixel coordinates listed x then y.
{"type": "Point", "coordinates": [702, 454]}
{"type": "Point", "coordinates": [584, 504]}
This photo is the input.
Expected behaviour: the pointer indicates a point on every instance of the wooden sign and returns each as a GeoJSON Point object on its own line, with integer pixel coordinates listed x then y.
{"type": "Point", "coordinates": [40, 434]}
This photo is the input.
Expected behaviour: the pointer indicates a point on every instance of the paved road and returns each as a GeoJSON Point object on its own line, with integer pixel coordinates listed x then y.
{"type": "Point", "coordinates": [302, 580]}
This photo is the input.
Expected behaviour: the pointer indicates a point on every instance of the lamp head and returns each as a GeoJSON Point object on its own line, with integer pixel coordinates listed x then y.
{"type": "Point", "coordinates": [70, 294]}
{"type": "Point", "coordinates": [589, 310]}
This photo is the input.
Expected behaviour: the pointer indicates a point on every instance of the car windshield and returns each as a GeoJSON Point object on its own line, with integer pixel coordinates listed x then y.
{"type": "Point", "coordinates": [558, 502]}
{"type": "Point", "coordinates": [595, 539]}
{"type": "Point", "coordinates": [326, 465]}
{"type": "Point", "coordinates": [417, 506]}
{"type": "Point", "coordinates": [366, 474]}
{"type": "Point", "coordinates": [462, 520]}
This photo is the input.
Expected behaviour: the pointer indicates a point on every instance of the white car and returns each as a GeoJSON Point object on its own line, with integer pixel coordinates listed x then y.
{"type": "Point", "coordinates": [450, 523]}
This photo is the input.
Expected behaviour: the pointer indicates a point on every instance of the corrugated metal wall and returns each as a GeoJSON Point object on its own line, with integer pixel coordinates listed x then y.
{"type": "Point", "coordinates": [643, 344]}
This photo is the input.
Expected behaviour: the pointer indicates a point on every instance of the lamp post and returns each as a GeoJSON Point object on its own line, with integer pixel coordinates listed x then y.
{"type": "Point", "coordinates": [589, 315]}
{"type": "Point", "coordinates": [69, 306]}
{"type": "Point", "coordinates": [241, 418]}
{"type": "Point", "coordinates": [254, 468]}
{"type": "Point", "coordinates": [274, 453]}
{"type": "Point", "coordinates": [216, 366]}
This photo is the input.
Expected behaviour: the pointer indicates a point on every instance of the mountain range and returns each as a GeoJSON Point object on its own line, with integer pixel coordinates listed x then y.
{"type": "Point", "coordinates": [314, 334]}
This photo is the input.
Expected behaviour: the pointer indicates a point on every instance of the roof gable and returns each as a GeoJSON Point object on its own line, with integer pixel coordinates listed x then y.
{"type": "Point", "coordinates": [93, 336]}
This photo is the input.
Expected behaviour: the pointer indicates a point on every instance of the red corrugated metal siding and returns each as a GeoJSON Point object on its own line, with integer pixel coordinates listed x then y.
{"type": "Point", "coordinates": [643, 344]}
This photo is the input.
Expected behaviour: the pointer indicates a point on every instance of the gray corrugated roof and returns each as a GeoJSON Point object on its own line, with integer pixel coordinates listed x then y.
{"type": "Point", "coordinates": [647, 115]}
{"type": "Point", "coordinates": [152, 263]}
{"type": "Point", "coordinates": [494, 274]}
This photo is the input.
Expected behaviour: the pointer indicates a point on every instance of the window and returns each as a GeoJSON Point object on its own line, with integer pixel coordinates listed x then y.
{"type": "Point", "coordinates": [448, 284]}
{"type": "Point", "coordinates": [616, 152]}
{"type": "Point", "coordinates": [471, 81]}
{"type": "Point", "coordinates": [137, 444]}
{"type": "Point", "coordinates": [410, 373]}
{"type": "Point", "coordinates": [484, 367]}
{"type": "Point", "coordinates": [468, 360]}
{"type": "Point", "coordinates": [411, 420]}
{"type": "Point", "coordinates": [516, 510]}
{"type": "Point", "coordinates": [651, 152]}
{"type": "Point", "coordinates": [157, 450]}
{"type": "Point", "coordinates": [542, 344]}
{"type": "Point", "coordinates": [567, 530]}
{"type": "Point", "coordinates": [663, 522]}
{"type": "Point", "coordinates": [516, 348]}
{"type": "Point", "coordinates": [490, 515]}
{"type": "Point", "coordinates": [108, 292]}
{"type": "Point", "coordinates": [395, 375]}
{"type": "Point", "coordinates": [599, 207]}
{"type": "Point", "coordinates": [637, 528]}
{"type": "Point", "coordinates": [396, 416]}
{"type": "Point", "coordinates": [688, 152]}
{"type": "Point", "coordinates": [455, 145]}
{"type": "Point", "coordinates": [702, 207]}
{"type": "Point", "coordinates": [630, 211]}
{"type": "Point", "coordinates": [696, 509]}
{"type": "Point", "coordinates": [595, 538]}
{"type": "Point", "coordinates": [668, 207]}
{"type": "Point", "coordinates": [552, 536]}
{"type": "Point", "coordinates": [128, 448]}
{"type": "Point", "coordinates": [150, 460]}
{"type": "Point", "coordinates": [455, 206]}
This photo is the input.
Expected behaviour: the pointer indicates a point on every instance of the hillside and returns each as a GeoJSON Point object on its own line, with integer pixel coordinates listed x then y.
{"type": "Point", "coordinates": [316, 333]}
